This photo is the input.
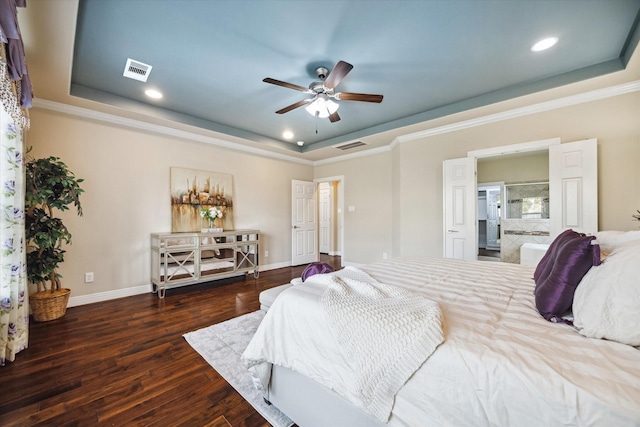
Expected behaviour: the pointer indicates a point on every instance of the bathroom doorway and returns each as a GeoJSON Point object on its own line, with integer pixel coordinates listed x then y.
{"type": "Point", "coordinates": [489, 216]}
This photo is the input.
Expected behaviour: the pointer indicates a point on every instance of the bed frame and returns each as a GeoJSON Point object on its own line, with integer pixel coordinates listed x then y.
{"type": "Point", "coordinates": [310, 404]}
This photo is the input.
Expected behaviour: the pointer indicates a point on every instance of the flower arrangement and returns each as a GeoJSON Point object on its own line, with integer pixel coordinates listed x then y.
{"type": "Point", "coordinates": [211, 214]}
{"type": "Point", "coordinates": [636, 217]}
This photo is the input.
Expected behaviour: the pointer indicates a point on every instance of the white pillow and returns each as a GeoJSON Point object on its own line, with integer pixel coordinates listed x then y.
{"type": "Point", "coordinates": [606, 303]}
{"type": "Point", "coordinates": [611, 240]}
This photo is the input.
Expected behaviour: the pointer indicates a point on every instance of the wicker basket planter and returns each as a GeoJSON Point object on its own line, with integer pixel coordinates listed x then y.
{"type": "Point", "coordinates": [48, 305]}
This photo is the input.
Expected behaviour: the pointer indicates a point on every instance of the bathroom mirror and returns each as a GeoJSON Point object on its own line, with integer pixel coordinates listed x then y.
{"type": "Point", "coordinates": [527, 201]}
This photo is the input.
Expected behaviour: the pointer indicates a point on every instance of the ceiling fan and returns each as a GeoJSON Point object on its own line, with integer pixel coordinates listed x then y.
{"type": "Point", "coordinates": [322, 102]}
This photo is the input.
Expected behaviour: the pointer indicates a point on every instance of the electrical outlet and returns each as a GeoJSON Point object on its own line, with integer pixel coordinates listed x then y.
{"type": "Point", "coordinates": [384, 255]}
{"type": "Point", "coordinates": [88, 277]}
{"type": "Point", "coordinates": [266, 254]}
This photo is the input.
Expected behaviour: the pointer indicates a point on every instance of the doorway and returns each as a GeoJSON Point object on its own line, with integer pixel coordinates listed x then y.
{"type": "Point", "coordinates": [330, 215]}
{"type": "Point", "coordinates": [489, 216]}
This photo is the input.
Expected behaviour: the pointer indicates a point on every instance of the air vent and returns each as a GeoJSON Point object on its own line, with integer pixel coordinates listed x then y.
{"type": "Point", "coordinates": [137, 70]}
{"type": "Point", "coordinates": [350, 145]}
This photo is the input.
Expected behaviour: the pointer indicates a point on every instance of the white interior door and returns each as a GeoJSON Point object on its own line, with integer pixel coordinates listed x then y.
{"type": "Point", "coordinates": [573, 187]}
{"type": "Point", "coordinates": [304, 223]}
{"type": "Point", "coordinates": [325, 194]}
{"type": "Point", "coordinates": [460, 198]}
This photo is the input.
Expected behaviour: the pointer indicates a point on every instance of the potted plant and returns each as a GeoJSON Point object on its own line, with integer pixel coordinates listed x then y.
{"type": "Point", "coordinates": [49, 186]}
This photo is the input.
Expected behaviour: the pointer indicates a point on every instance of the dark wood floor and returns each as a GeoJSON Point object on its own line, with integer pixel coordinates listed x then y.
{"type": "Point", "coordinates": [124, 362]}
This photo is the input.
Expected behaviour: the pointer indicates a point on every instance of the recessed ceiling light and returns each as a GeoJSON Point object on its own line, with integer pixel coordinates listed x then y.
{"type": "Point", "coordinates": [287, 134]}
{"type": "Point", "coordinates": [300, 143]}
{"type": "Point", "coordinates": [152, 93]}
{"type": "Point", "coordinates": [544, 44]}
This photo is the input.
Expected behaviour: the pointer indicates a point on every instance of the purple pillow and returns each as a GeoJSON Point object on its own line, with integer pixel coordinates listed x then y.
{"type": "Point", "coordinates": [316, 268]}
{"type": "Point", "coordinates": [546, 262]}
{"type": "Point", "coordinates": [574, 257]}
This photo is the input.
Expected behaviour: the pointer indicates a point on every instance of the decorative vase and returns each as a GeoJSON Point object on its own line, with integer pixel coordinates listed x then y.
{"type": "Point", "coordinates": [212, 227]}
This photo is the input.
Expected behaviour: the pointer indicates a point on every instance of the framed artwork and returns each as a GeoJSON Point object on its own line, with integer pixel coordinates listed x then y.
{"type": "Point", "coordinates": [194, 190]}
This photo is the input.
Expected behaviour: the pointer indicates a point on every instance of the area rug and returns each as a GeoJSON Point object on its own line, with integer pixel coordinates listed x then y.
{"type": "Point", "coordinates": [221, 345]}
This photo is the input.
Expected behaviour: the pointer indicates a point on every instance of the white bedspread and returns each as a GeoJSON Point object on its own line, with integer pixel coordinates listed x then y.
{"type": "Point", "coordinates": [501, 364]}
{"type": "Point", "coordinates": [385, 331]}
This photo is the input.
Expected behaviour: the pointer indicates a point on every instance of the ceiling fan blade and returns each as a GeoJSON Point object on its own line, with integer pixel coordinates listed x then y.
{"type": "Point", "coordinates": [364, 97]}
{"type": "Point", "coordinates": [334, 117]}
{"type": "Point", "coordinates": [287, 85]}
{"type": "Point", "coordinates": [337, 74]}
{"type": "Point", "coordinates": [294, 106]}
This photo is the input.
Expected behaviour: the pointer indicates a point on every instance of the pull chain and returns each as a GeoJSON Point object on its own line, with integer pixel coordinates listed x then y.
{"type": "Point", "coordinates": [317, 115]}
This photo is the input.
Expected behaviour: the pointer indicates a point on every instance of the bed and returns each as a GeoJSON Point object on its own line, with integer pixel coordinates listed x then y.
{"type": "Point", "coordinates": [500, 363]}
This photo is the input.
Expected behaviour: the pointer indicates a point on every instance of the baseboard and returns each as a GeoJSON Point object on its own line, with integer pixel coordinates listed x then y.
{"type": "Point", "coordinates": [108, 295]}
{"type": "Point", "coordinates": [335, 253]}
{"type": "Point", "coordinates": [266, 267]}
{"type": "Point", "coordinates": [137, 290]}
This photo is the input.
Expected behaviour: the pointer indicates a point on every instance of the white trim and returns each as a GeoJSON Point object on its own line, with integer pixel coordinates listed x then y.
{"type": "Point", "coordinates": [523, 147]}
{"type": "Point", "coordinates": [143, 289]}
{"type": "Point", "coordinates": [162, 130]}
{"type": "Point", "coordinates": [274, 266]}
{"type": "Point", "coordinates": [594, 95]}
{"type": "Point", "coordinates": [541, 107]}
{"type": "Point", "coordinates": [108, 295]}
{"type": "Point", "coordinates": [349, 156]}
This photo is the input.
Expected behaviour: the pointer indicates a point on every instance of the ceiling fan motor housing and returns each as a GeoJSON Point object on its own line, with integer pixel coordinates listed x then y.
{"type": "Point", "coordinates": [322, 72]}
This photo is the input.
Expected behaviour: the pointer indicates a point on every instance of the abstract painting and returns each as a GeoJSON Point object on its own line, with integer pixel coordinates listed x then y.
{"type": "Point", "coordinates": [194, 190]}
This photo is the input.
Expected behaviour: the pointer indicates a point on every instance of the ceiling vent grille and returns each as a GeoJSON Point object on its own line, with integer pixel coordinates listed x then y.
{"type": "Point", "coordinates": [350, 145]}
{"type": "Point", "coordinates": [137, 70]}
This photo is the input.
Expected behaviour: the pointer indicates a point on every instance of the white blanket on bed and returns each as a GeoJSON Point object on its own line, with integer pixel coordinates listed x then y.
{"type": "Point", "coordinates": [385, 332]}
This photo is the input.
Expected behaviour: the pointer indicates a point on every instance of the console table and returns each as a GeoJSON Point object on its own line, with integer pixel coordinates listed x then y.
{"type": "Point", "coordinates": [186, 258]}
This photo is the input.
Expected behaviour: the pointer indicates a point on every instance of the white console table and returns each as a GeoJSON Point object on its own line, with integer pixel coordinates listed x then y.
{"type": "Point", "coordinates": [186, 258]}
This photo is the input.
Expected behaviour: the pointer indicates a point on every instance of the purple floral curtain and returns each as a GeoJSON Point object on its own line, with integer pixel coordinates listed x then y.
{"type": "Point", "coordinates": [16, 93]}
{"type": "Point", "coordinates": [14, 306]}
{"type": "Point", "coordinates": [15, 98]}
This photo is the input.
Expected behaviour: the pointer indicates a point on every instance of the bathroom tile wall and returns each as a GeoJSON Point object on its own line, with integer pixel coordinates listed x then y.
{"type": "Point", "coordinates": [516, 232]}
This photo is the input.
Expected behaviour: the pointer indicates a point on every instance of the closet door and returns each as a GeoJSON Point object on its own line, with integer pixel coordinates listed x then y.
{"type": "Point", "coordinates": [573, 187]}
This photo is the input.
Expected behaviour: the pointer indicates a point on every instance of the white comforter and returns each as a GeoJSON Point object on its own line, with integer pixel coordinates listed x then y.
{"type": "Point", "coordinates": [500, 363]}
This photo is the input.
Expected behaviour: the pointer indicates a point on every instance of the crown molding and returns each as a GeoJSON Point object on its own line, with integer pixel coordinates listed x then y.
{"type": "Point", "coordinates": [594, 95]}
{"type": "Point", "coordinates": [159, 129]}
{"type": "Point", "coordinates": [567, 101]}
{"type": "Point", "coordinates": [363, 153]}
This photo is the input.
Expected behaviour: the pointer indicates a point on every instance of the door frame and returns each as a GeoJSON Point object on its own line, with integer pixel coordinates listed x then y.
{"type": "Point", "coordinates": [340, 188]}
{"type": "Point", "coordinates": [524, 147]}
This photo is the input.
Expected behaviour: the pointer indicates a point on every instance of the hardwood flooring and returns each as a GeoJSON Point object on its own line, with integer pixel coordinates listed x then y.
{"type": "Point", "coordinates": [124, 362]}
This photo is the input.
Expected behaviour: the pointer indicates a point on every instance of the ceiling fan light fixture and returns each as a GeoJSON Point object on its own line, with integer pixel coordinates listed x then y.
{"type": "Point", "coordinates": [322, 106]}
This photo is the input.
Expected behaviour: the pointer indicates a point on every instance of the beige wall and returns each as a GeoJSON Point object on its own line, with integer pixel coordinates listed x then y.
{"type": "Point", "coordinates": [127, 176]}
{"type": "Point", "coordinates": [416, 171]}
{"type": "Point", "coordinates": [397, 194]}
{"type": "Point", "coordinates": [367, 188]}
{"type": "Point", "coordinates": [514, 169]}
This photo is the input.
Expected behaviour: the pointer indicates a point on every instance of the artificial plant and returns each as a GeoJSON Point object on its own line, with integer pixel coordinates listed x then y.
{"type": "Point", "coordinates": [50, 185]}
